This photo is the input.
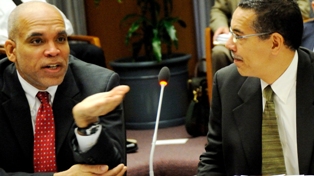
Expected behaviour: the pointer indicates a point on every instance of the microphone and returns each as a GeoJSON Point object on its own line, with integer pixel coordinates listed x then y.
{"type": "Point", "coordinates": [163, 78]}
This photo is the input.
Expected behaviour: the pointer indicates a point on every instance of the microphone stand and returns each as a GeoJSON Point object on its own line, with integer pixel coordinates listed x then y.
{"type": "Point", "coordinates": [151, 170]}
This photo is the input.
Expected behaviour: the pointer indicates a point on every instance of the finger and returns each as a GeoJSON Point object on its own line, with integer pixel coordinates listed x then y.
{"type": "Point", "coordinates": [98, 104]}
{"type": "Point", "coordinates": [221, 30]}
{"type": "Point", "coordinates": [215, 36]}
{"type": "Point", "coordinates": [95, 169]}
{"type": "Point", "coordinates": [122, 89]}
{"type": "Point", "coordinates": [117, 171]}
{"type": "Point", "coordinates": [122, 171]}
{"type": "Point", "coordinates": [226, 31]}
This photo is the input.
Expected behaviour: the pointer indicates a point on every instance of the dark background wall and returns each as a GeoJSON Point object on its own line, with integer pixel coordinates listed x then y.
{"type": "Point", "coordinates": [104, 21]}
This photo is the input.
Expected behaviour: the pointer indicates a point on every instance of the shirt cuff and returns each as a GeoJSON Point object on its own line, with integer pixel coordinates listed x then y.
{"type": "Point", "coordinates": [87, 142]}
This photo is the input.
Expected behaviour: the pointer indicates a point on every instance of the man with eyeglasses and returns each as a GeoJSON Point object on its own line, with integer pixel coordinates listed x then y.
{"type": "Point", "coordinates": [220, 15]}
{"type": "Point", "coordinates": [265, 45]}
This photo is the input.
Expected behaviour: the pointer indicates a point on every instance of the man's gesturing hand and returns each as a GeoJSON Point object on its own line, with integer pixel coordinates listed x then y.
{"type": "Point", "coordinates": [100, 170]}
{"type": "Point", "coordinates": [88, 110]}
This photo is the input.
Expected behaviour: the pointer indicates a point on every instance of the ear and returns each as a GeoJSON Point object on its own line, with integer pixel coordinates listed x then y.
{"type": "Point", "coordinates": [10, 48]}
{"type": "Point", "coordinates": [277, 42]}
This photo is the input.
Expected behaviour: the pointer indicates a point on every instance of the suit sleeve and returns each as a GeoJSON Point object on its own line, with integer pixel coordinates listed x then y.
{"type": "Point", "coordinates": [109, 147]}
{"type": "Point", "coordinates": [3, 173]}
{"type": "Point", "coordinates": [211, 161]}
{"type": "Point", "coordinates": [220, 15]}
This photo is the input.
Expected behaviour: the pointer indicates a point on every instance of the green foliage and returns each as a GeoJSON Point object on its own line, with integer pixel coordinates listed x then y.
{"type": "Point", "coordinates": [96, 2]}
{"type": "Point", "coordinates": [151, 27]}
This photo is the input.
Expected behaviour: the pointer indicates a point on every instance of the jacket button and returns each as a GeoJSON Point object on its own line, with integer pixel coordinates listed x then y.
{"type": "Point", "coordinates": [90, 160]}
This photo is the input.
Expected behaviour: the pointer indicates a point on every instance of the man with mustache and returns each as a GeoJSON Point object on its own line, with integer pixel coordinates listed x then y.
{"type": "Point", "coordinates": [84, 51]}
{"type": "Point", "coordinates": [271, 78]}
{"type": "Point", "coordinates": [220, 16]}
{"type": "Point", "coordinates": [82, 102]}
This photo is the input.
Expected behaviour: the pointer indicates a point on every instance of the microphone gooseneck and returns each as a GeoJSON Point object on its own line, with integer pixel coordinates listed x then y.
{"type": "Point", "coordinates": [163, 78]}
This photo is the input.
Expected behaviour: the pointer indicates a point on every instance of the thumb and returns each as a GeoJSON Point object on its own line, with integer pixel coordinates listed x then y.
{"type": "Point", "coordinates": [95, 169]}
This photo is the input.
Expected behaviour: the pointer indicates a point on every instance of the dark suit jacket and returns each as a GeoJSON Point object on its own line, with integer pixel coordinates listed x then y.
{"type": "Point", "coordinates": [16, 132]}
{"type": "Point", "coordinates": [234, 135]}
{"type": "Point", "coordinates": [308, 35]}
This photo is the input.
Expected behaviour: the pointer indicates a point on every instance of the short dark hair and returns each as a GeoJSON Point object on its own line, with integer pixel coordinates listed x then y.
{"type": "Point", "coordinates": [281, 16]}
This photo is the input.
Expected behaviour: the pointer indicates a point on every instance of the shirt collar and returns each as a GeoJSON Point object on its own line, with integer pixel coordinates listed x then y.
{"type": "Point", "coordinates": [284, 83]}
{"type": "Point", "coordinates": [31, 91]}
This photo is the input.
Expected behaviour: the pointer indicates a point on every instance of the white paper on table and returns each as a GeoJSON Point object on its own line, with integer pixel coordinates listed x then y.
{"type": "Point", "coordinates": [222, 39]}
{"type": "Point", "coordinates": [171, 141]}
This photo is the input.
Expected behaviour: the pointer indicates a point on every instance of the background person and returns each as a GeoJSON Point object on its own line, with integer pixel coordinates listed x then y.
{"type": "Point", "coordinates": [308, 32]}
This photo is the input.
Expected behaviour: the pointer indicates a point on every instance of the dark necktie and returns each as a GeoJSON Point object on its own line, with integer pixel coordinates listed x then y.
{"type": "Point", "coordinates": [272, 155]}
{"type": "Point", "coordinates": [44, 137]}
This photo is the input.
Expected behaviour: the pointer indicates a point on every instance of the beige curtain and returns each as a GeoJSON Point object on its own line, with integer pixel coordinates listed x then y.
{"type": "Point", "coordinates": [201, 18]}
{"type": "Point", "coordinates": [75, 12]}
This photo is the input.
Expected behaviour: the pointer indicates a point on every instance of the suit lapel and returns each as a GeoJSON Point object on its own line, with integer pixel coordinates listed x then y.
{"type": "Point", "coordinates": [18, 111]}
{"type": "Point", "coordinates": [62, 109]}
{"type": "Point", "coordinates": [305, 111]}
{"type": "Point", "coordinates": [248, 116]}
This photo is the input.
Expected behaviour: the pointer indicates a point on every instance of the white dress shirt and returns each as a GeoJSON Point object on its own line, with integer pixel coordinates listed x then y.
{"type": "Point", "coordinates": [285, 106]}
{"type": "Point", "coordinates": [6, 7]}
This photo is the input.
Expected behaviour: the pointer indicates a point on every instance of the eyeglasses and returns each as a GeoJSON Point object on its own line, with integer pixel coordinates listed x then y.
{"type": "Point", "coordinates": [236, 37]}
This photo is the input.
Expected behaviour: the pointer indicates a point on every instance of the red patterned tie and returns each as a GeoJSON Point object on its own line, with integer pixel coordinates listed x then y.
{"type": "Point", "coordinates": [44, 138]}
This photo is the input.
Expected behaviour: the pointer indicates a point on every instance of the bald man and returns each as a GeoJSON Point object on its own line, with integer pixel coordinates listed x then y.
{"type": "Point", "coordinates": [84, 51]}
{"type": "Point", "coordinates": [85, 101]}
